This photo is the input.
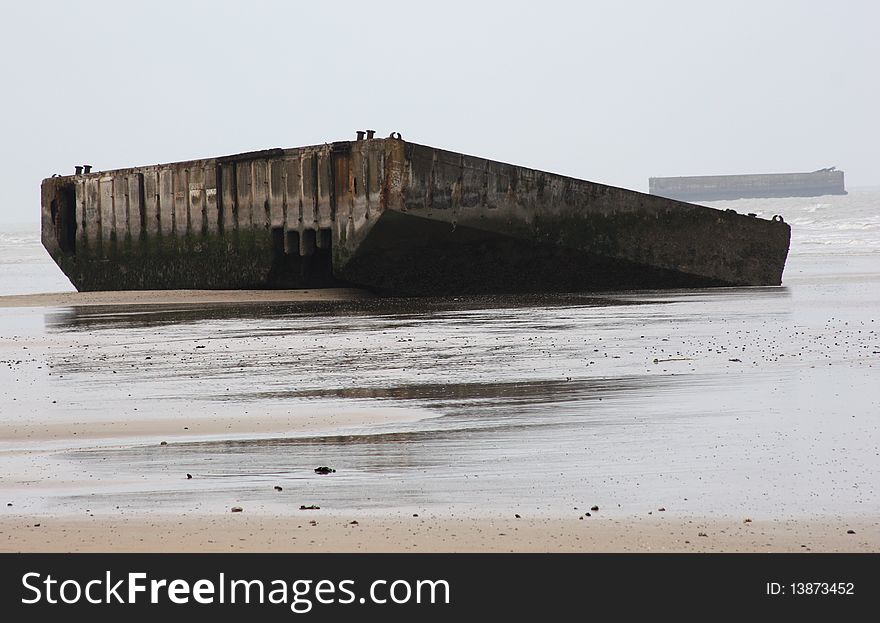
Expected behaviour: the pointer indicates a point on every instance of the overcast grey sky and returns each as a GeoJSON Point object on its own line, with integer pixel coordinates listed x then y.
{"type": "Point", "coordinates": [613, 92]}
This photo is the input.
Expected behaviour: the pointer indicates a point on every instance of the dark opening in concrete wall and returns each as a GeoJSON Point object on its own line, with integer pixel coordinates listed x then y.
{"type": "Point", "coordinates": [307, 243]}
{"type": "Point", "coordinates": [278, 250]}
{"type": "Point", "coordinates": [317, 268]}
{"type": "Point", "coordinates": [317, 256]}
{"type": "Point", "coordinates": [301, 259]}
{"type": "Point", "coordinates": [63, 212]}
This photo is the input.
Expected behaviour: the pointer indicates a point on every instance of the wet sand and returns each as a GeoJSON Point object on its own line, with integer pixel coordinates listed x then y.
{"type": "Point", "coordinates": [716, 405]}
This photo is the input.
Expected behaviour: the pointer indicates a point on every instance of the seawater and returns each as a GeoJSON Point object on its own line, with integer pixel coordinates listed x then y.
{"type": "Point", "coordinates": [831, 224]}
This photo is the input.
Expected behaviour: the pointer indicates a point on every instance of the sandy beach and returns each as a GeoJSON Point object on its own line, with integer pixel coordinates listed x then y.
{"type": "Point", "coordinates": [239, 532]}
{"type": "Point", "coordinates": [136, 421]}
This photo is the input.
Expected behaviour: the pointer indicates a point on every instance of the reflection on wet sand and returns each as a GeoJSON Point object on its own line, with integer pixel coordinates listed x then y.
{"type": "Point", "coordinates": [103, 316]}
{"type": "Point", "coordinates": [499, 394]}
{"type": "Point", "coordinates": [705, 402]}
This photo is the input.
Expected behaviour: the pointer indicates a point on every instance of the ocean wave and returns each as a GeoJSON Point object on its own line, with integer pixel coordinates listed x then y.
{"type": "Point", "coordinates": [851, 226]}
{"type": "Point", "coordinates": [19, 239]}
{"type": "Point", "coordinates": [847, 242]}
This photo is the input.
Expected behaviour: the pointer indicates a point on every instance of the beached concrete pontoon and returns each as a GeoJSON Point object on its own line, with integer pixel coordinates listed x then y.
{"type": "Point", "coordinates": [392, 216]}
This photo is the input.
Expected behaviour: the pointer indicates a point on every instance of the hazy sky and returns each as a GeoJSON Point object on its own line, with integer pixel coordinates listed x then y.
{"type": "Point", "coordinates": [613, 92]}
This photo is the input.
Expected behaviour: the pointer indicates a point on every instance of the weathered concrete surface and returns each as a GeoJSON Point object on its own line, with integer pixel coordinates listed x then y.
{"type": "Point", "coordinates": [720, 187]}
{"type": "Point", "coordinates": [394, 216]}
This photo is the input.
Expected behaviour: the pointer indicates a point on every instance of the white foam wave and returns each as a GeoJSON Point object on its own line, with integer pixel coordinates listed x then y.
{"type": "Point", "coordinates": [818, 206]}
{"type": "Point", "coordinates": [18, 239]}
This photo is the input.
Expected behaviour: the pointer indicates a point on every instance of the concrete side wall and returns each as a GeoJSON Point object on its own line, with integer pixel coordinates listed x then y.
{"type": "Point", "coordinates": [544, 208]}
{"type": "Point", "coordinates": [153, 223]}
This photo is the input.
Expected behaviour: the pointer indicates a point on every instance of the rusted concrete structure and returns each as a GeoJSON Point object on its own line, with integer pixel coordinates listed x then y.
{"type": "Point", "coordinates": [393, 216]}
